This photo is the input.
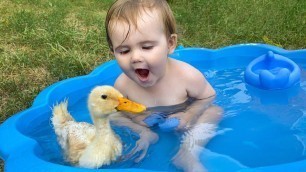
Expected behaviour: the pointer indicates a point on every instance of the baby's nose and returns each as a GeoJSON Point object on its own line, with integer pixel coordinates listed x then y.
{"type": "Point", "coordinates": [137, 57]}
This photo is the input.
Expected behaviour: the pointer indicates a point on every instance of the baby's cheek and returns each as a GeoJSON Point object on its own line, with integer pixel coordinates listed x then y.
{"type": "Point", "coordinates": [158, 69]}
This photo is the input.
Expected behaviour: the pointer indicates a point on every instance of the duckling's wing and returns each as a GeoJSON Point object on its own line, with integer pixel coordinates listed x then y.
{"type": "Point", "coordinates": [76, 137]}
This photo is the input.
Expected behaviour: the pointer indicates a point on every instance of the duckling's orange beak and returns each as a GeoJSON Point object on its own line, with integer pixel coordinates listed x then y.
{"type": "Point", "coordinates": [130, 106]}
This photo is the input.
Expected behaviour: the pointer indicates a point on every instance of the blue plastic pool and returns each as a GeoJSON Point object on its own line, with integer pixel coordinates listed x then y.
{"type": "Point", "coordinates": [261, 130]}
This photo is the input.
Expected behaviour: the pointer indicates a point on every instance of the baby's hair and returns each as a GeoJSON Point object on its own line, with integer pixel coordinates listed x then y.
{"type": "Point", "coordinates": [128, 11]}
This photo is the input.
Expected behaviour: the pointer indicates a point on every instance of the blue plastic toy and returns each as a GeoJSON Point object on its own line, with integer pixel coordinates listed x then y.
{"type": "Point", "coordinates": [164, 123]}
{"type": "Point", "coordinates": [169, 124]}
{"type": "Point", "coordinates": [154, 119]}
{"type": "Point", "coordinates": [272, 71]}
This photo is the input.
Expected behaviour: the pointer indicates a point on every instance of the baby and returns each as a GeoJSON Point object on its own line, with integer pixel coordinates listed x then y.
{"type": "Point", "coordinates": [141, 34]}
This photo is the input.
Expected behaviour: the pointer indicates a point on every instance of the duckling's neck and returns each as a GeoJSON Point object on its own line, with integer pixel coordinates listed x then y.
{"type": "Point", "coordinates": [102, 126]}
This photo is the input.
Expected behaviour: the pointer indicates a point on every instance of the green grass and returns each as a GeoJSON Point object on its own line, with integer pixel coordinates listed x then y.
{"type": "Point", "coordinates": [44, 41]}
{"type": "Point", "coordinates": [220, 23]}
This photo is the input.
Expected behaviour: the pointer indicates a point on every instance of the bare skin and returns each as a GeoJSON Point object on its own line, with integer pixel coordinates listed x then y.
{"type": "Point", "coordinates": [160, 80]}
{"type": "Point", "coordinates": [146, 136]}
{"type": "Point", "coordinates": [192, 141]}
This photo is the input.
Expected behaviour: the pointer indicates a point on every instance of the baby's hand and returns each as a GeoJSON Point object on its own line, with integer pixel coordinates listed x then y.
{"type": "Point", "coordinates": [146, 138]}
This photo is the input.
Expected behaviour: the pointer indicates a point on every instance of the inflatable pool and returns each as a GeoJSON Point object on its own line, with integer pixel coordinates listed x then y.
{"type": "Point", "coordinates": [262, 130]}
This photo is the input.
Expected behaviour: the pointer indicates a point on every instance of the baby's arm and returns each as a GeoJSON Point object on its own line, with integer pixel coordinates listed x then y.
{"type": "Point", "coordinates": [146, 136]}
{"type": "Point", "coordinates": [199, 88]}
{"type": "Point", "coordinates": [203, 117]}
{"type": "Point", "coordinates": [193, 112]}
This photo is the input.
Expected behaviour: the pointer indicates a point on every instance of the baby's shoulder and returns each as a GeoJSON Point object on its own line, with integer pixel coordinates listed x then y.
{"type": "Point", "coordinates": [121, 83]}
{"type": "Point", "coordinates": [121, 78]}
{"type": "Point", "coordinates": [185, 69]}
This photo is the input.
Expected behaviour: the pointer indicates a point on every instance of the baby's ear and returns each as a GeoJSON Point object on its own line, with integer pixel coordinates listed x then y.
{"type": "Point", "coordinates": [172, 43]}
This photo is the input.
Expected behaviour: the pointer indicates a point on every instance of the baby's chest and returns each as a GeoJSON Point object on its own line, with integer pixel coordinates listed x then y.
{"type": "Point", "coordinates": [162, 97]}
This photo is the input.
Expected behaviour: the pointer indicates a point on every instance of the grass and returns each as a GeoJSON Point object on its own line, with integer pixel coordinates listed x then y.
{"type": "Point", "coordinates": [220, 23]}
{"type": "Point", "coordinates": [44, 41]}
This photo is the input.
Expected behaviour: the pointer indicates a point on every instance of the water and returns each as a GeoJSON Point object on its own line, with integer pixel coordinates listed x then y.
{"type": "Point", "coordinates": [168, 142]}
{"type": "Point", "coordinates": [258, 128]}
{"type": "Point", "coordinates": [263, 127]}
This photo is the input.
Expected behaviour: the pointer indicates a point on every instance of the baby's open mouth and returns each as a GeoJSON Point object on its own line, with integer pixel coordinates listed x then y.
{"type": "Point", "coordinates": [142, 73]}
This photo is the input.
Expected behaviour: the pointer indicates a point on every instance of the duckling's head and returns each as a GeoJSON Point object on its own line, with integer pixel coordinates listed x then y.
{"type": "Point", "coordinates": [104, 100]}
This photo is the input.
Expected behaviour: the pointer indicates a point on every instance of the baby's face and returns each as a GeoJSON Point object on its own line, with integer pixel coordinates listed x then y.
{"type": "Point", "coordinates": [143, 55]}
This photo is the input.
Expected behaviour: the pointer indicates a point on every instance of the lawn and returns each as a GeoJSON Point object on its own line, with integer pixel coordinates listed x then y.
{"type": "Point", "coordinates": [45, 41]}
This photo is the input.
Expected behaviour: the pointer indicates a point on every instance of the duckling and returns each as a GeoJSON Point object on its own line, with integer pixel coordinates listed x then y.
{"type": "Point", "coordinates": [87, 145]}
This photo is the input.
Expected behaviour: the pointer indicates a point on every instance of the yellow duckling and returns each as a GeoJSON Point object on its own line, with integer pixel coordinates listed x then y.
{"type": "Point", "coordinates": [92, 146]}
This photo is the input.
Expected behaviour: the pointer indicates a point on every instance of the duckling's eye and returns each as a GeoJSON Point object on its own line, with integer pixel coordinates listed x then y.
{"type": "Point", "coordinates": [104, 96]}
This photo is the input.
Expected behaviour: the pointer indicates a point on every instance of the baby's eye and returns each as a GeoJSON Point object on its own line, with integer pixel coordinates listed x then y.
{"type": "Point", "coordinates": [124, 52]}
{"type": "Point", "coordinates": [147, 47]}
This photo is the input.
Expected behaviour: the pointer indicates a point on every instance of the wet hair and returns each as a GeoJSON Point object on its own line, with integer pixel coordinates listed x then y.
{"type": "Point", "coordinates": [128, 11]}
